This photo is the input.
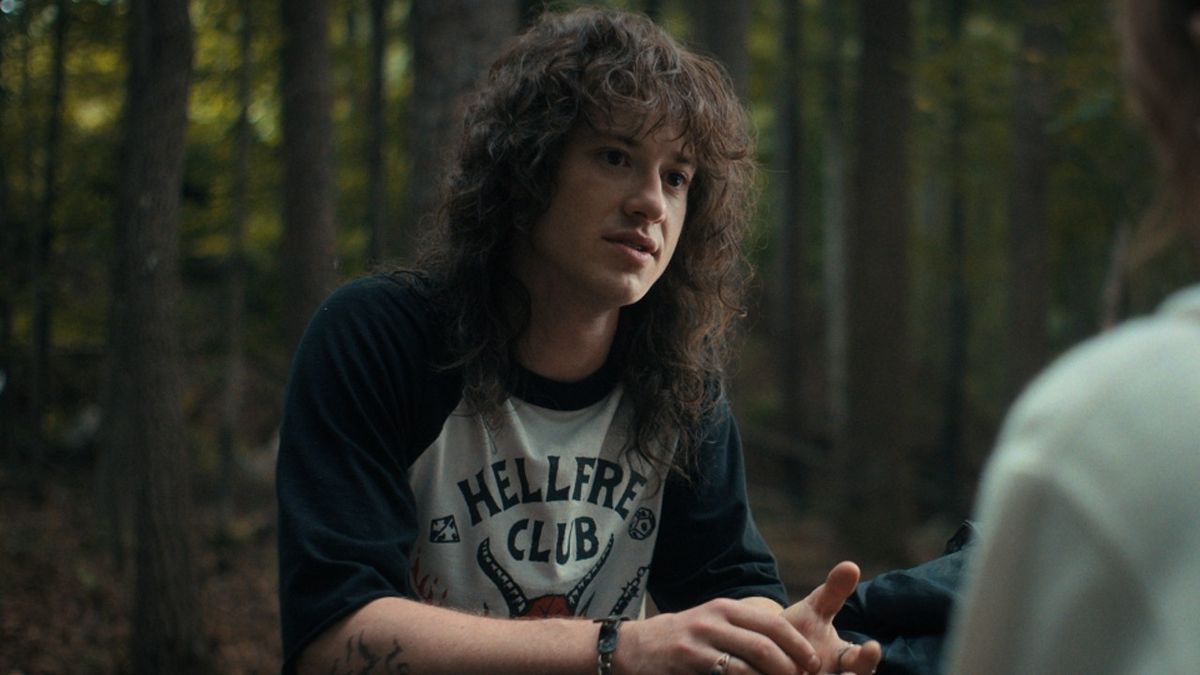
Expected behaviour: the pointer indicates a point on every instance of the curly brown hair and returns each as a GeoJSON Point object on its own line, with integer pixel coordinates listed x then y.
{"type": "Point", "coordinates": [596, 67]}
{"type": "Point", "coordinates": [1162, 64]}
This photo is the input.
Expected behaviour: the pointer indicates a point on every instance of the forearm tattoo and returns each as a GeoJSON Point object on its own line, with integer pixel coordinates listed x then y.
{"type": "Point", "coordinates": [361, 658]}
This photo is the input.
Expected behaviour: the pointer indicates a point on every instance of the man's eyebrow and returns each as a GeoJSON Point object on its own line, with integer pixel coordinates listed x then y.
{"type": "Point", "coordinates": [624, 139]}
{"type": "Point", "coordinates": [633, 142]}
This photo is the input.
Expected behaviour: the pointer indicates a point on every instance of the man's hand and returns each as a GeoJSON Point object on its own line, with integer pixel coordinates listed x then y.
{"type": "Point", "coordinates": [813, 617]}
{"type": "Point", "coordinates": [756, 636]}
{"type": "Point", "coordinates": [756, 641]}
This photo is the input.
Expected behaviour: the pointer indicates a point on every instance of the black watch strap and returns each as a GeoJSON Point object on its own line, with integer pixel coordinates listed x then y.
{"type": "Point", "coordinates": [606, 643]}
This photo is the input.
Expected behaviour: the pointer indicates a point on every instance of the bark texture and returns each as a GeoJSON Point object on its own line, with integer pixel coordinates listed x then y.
{"type": "Point", "coordinates": [145, 410]}
{"type": "Point", "coordinates": [876, 456]}
{"type": "Point", "coordinates": [453, 42]}
{"type": "Point", "coordinates": [309, 233]}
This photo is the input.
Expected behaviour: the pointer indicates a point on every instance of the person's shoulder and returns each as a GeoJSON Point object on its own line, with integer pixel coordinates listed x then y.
{"type": "Point", "coordinates": [1133, 382]}
{"type": "Point", "coordinates": [1184, 305]}
{"type": "Point", "coordinates": [1151, 348]}
{"type": "Point", "coordinates": [393, 307]}
{"type": "Point", "coordinates": [401, 287]}
{"type": "Point", "coordinates": [1109, 433]}
{"type": "Point", "coordinates": [384, 296]}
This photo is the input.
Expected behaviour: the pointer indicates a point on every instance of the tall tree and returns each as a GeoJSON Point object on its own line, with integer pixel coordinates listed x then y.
{"type": "Point", "coordinates": [452, 41]}
{"type": "Point", "coordinates": [20, 229]}
{"type": "Point", "coordinates": [146, 410]}
{"type": "Point", "coordinates": [43, 241]}
{"type": "Point", "coordinates": [18, 398]}
{"type": "Point", "coordinates": [7, 278]}
{"type": "Point", "coordinates": [28, 110]}
{"type": "Point", "coordinates": [875, 459]}
{"type": "Point", "coordinates": [957, 311]}
{"type": "Point", "coordinates": [377, 132]}
{"type": "Point", "coordinates": [790, 312]}
{"type": "Point", "coordinates": [834, 201]}
{"type": "Point", "coordinates": [8, 286]}
{"type": "Point", "coordinates": [654, 9]}
{"type": "Point", "coordinates": [530, 10]}
{"type": "Point", "coordinates": [1028, 218]}
{"type": "Point", "coordinates": [724, 31]}
{"type": "Point", "coordinates": [309, 234]}
{"type": "Point", "coordinates": [236, 272]}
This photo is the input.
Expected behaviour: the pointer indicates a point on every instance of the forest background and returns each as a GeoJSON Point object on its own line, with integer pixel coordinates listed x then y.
{"type": "Point", "coordinates": [948, 191]}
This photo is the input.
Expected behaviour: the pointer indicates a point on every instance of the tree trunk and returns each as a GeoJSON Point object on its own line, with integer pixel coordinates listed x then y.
{"type": "Point", "coordinates": [42, 274]}
{"type": "Point", "coordinates": [654, 9]}
{"type": "Point", "coordinates": [1113, 296]}
{"type": "Point", "coordinates": [790, 311]}
{"type": "Point", "coordinates": [453, 42]}
{"type": "Point", "coordinates": [29, 116]}
{"type": "Point", "coordinates": [724, 31]}
{"type": "Point", "coordinates": [954, 497]}
{"type": "Point", "coordinates": [7, 286]}
{"type": "Point", "coordinates": [236, 271]}
{"type": "Point", "coordinates": [834, 200]}
{"type": "Point", "coordinates": [309, 234]}
{"type": "Point", "coordinates": [146, 413]}
{"type": "Point", "coordinates": [1029, 347]}
{"type": "Point", "coordinates": [876, 461]}
{"type": "Point", "coordinates": [376, 137]}
{"type": "Point", "coordinates": [20, 223]}
{"type": "Point", "coordinates": [530, 10]}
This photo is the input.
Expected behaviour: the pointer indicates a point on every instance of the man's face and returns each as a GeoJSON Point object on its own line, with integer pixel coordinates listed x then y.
{"type": "Point", "coordinates": [613, 223]}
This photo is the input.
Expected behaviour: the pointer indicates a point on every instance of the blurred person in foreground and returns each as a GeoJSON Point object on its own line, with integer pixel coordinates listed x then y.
{"type": "Point", "coordinates": [1089, 557]}
{"type": "Point", "coordinates": [534, 424]}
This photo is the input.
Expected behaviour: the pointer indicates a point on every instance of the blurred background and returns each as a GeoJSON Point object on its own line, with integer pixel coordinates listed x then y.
{"type": "Point", "coordinates": [948, 189]}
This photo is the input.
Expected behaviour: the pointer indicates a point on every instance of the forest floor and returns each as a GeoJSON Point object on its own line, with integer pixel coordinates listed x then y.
{"type": "Point", "coordinates": [64, 607]}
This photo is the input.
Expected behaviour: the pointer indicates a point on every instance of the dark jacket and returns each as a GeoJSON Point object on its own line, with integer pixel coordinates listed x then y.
{"type": "Point", "coordinates": [908, 611]}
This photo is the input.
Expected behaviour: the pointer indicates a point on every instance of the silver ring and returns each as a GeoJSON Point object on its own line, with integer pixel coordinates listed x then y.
{"type": "Point", "coordinates": [840, 653]}
{"type": "Point", "coordinates": [718, 668]}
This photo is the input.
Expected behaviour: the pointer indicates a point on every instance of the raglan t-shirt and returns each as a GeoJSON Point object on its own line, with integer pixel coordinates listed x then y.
{"type": "Point", "coordinates": [388, 485]}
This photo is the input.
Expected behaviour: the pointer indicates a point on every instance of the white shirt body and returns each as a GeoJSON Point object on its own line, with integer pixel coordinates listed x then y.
{"type": "Point", "coordinates": [1089, 560]}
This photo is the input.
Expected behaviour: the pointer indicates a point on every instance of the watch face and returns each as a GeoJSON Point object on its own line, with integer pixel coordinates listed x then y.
{"type": "Point", "coordinates": [607, 642]}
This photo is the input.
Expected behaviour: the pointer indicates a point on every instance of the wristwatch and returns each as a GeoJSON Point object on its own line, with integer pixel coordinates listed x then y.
{"type": "Point", "coordinates": [606, 644]}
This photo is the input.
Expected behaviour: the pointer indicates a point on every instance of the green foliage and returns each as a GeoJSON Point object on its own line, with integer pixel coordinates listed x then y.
{"type": "Point", "coordinates": [1101, 177]}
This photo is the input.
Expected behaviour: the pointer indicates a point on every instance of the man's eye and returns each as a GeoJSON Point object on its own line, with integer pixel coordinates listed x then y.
{"type": "Point", "coordinates": [613, 157]}
{"type": "Point", "coordinates": [677, 179]}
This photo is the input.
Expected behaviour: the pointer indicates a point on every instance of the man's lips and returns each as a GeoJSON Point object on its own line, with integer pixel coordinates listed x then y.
{"type": "Point", "coordinates": [636, 241]}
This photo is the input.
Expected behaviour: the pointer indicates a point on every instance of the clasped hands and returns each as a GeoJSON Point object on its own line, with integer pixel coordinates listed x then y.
{"type": "Point", "coordinates": [751, 636]}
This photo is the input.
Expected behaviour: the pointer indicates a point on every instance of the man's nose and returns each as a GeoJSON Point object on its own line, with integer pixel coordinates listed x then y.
{"type": "Point", "coordinates": [646, 200]}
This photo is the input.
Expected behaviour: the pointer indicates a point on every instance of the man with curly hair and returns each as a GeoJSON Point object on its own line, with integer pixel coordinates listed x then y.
{"type": "Point", "coordinates": [534, 425]}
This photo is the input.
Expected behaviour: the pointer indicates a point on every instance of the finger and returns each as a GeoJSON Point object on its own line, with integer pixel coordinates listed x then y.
{"type": "Point", "coordinates": [735, 666]}
{"type": "Point", "coordinates": [752, 652]}
{"type": "Point", "coordinates": [829, 597]}
{"type": "Point", "coordinates": [862, 659]}
{"type": "Point", "coordinates": [770, 635]}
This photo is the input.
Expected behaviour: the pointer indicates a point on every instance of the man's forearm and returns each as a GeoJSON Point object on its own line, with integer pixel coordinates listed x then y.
{"type": "Point", "coordinates": [396, 635]}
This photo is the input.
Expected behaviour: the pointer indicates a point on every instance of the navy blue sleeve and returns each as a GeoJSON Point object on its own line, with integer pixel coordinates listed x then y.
{"type": "Point", "coordinates": [355, 413]}
{"type": "Point", "coordinates": [708, 545]}
{"type": "Point", "coordinates": [908, 611]}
